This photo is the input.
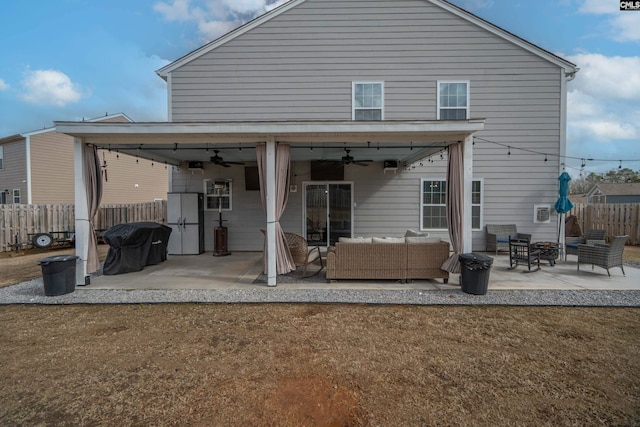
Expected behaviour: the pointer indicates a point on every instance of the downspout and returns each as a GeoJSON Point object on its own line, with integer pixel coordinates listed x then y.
{"type": "Point", "coordinates": [169, 118]}
{"type": "Point", "coordinates": [28, 156]}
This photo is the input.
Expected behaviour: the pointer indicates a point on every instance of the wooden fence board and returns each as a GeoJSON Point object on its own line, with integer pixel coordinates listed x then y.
{"type": "Point", "coordinates": [617, 219]}
{"type": "Point", "coordinates": [24, 221]}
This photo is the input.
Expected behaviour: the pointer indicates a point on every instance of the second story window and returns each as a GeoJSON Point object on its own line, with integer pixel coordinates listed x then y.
{"type": "Point", "coordinates": [368, 101]}
{"type": "Point", "coordinates": [453, 100]}
{"type": "Point", "coordinates": [1, 157]}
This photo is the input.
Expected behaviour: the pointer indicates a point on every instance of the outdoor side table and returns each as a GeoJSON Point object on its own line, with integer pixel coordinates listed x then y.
{"type": "Point", "coordinates": [549, 251]}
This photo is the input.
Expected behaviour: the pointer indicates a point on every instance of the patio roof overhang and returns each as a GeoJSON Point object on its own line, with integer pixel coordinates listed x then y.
{"type": "Point", "coordinates": [177, 142]}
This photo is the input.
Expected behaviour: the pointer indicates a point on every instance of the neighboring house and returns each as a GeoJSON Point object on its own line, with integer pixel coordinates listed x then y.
{"type": "Point", "coordinates": [38, 168]}
{"type": "Point", "coordinates": [393, 82]}
{"type": "Point", "coordinates": [628, 192]}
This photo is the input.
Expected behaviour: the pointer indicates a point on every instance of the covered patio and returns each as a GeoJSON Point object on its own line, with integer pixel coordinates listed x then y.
{"type": "Point", "coordinates": [243, 271]}
{"type": "Point", "coordinates": [173, 143]}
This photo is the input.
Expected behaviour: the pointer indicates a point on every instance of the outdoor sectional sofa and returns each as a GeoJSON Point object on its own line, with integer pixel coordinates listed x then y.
{"type": "Point", "coordinates": [398, 259]}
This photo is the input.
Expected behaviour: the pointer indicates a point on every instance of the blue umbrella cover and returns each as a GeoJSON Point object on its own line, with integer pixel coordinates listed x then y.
{"type": "Point", "coordinates": [563, 204]}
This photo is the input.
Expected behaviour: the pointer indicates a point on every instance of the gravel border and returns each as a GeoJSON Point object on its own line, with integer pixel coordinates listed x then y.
{"type": "Point", "coordinates": [32, 292]}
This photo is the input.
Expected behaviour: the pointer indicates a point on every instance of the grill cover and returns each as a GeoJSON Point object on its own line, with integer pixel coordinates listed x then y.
{"type": "Point", "coordinates": [134, 245]}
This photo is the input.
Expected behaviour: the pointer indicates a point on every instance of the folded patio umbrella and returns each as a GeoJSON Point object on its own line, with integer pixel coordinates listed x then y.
{"type": "Point", "coordinates": [563, 204]}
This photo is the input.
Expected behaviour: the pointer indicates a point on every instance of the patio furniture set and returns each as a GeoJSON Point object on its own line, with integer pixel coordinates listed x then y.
{"type": "Point", "coordinates": [590, 249]}
{"type": "Point", "coordinates": [420, 257]}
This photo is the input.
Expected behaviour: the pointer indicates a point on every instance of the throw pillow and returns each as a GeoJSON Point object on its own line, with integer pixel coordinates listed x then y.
{"type": "Point", "coordinates": [414, 233]}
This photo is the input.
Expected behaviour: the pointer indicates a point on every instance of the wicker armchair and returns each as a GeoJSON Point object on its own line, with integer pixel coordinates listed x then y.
{"type": "Point", "coordinates": [302, 254]}
{"type": "Point", "coordinates": [591, 234]}
{"type": "Point", "coordinates": [605, 256]}
{"type": "Point", "coordinates": [498, 236]}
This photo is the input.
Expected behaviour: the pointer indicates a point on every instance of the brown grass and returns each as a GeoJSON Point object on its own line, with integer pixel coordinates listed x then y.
{"type": "Point", "coordinates": [314, 365]}
{"type": "Point", "coordinates": [325, 365]}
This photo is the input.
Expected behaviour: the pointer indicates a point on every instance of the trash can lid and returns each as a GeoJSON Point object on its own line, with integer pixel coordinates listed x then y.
{"type": "Point", "coordinates": [58, 258]}
{"type": "Point", "coordinates": [474, 257]}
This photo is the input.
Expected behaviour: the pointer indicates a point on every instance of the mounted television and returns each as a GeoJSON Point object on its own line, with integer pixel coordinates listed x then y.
{"type": "Point", "coordinates": [251, 178]}
{"type": "Point", "coordinates": [327, 171]}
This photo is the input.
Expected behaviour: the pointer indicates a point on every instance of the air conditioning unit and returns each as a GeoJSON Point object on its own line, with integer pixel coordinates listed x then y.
{"type": "Point", "coordinates": [541, 214]}
{"type": "Point", "coordinates": [390, 165]}
{"type": "Point", "coordinates": [195, 165]}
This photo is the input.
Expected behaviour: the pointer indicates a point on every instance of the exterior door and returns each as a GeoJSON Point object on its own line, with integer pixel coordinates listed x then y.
{"type": "Point", "coordinates": [328, 212]}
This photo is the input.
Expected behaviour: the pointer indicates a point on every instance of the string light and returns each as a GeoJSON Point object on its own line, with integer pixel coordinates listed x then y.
{"type": "Point", "coordinates": [547, 155]}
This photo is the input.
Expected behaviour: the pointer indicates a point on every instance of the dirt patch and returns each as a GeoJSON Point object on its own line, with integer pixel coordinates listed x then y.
{"type": "Point", "coordinates": [17, 267]}
{"type": "Point", "coordinates": [318, 365]}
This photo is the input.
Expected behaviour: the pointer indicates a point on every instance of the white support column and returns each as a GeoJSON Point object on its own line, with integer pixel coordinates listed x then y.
{"type": "Point", "coordinates": [467, 187]}
{"type": "Point", "coordinates": [271, 211]}
{"type": "Point", "coordinates": [81, 212]}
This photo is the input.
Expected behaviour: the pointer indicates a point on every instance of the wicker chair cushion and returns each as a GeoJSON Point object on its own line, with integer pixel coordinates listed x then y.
{"type": "Point", "coordinates": [354, 239]}
{"type": "Point", "coordinates": [387, 239]}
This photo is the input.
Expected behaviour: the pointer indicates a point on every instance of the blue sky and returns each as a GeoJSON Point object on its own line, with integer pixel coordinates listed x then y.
{"type": "Point", "coordinates": [75, 59]}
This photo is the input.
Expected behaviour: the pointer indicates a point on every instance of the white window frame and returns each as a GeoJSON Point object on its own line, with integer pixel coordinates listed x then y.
{"type": "Point", "coordinates": [1, 157]}
{"type": "Point", "coordinates": [353, 99]}
{"type": "Point", "coordinates": [481, 204]}
{"type": "Point", "coordinates": [468, 106]}
{"type": "Point", "coordinates": [16, 196]}
{"type": "Point", "coordinates": [210, 196]}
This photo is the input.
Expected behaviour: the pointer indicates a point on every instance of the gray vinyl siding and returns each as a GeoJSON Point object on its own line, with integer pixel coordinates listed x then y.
{"type": "Point", "coordinates": [13, 175]}
{"type": "Point", "coordinates": [300, 66]}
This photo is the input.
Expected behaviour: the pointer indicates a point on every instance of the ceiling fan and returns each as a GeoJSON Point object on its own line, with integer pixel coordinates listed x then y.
{"type": "Point", "coordinates": [349, 160]}
{"type": "Point", "coordinates": [218, 160]}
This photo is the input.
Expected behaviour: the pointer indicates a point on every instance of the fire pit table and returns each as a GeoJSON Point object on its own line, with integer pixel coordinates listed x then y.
{"type": "Point", "coordinates": [548, 251]}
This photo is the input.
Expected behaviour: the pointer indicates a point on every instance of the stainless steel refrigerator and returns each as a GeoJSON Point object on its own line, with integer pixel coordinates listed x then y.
{"type": "Point", "coordinates": [185, 216]}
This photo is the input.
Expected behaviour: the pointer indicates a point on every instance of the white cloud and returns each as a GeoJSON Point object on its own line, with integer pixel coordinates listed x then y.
{"type": "Point", "coordinates": [599, 7]}
{"type": "Point", "coordinates": [4, 85]}
{"type": "Point", "coordinates": [178, 10]}
{"type": "Point", "coordinates": [611, 78]}
{"type": "Point", "coordinates": [49, 87]}
{"type": "Point", "coordinates": [215, 18]}
{"type": "Point", "coordinates": [603, 102]}
{"type": "Point", "coordinates": [626, 27]}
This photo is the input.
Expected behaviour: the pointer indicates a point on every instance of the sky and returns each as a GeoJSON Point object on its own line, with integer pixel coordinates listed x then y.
{"type": "Point", "coordinates": [75, 59]}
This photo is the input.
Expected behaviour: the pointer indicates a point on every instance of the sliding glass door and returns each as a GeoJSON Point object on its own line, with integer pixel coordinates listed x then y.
{"type": "Point", "coordinates": [328, 212]}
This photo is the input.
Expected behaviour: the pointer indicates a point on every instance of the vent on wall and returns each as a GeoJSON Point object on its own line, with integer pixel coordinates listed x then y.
{"type": "Point", "coordinates": [541, 214]}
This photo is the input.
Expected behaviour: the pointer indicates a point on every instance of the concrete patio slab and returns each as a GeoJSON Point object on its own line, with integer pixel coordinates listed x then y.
{"type": "Point", "coordinates": [239, 271]}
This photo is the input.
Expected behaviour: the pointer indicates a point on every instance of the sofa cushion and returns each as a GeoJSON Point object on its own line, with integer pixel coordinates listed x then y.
{"type": "Point", "coordinates": [422, 239]}
{"type": "Point", "coordinates": [387, 239]}
{"type": "Point", "coordinates": [414, 233]}
{"type": "Point", "coordinates": [354, 239]}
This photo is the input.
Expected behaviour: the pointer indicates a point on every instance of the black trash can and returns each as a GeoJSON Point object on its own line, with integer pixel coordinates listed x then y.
{"type": "Point", "coordinates": [59, 274]}
{"type": "Point", "coordinates": [474, 273]}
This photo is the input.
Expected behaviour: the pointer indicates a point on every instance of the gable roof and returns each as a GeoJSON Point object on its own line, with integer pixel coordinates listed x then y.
{"type": "Point", "coordinates": [623, 189]}
{"type": "Point", "coordinates": [569, 68]}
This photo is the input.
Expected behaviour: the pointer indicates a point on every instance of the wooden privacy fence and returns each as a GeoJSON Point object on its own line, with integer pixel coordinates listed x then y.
{"type": "Point", "coordinates": [21, 222]}
{"type": "Point", "coordinates": [617, 219]}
